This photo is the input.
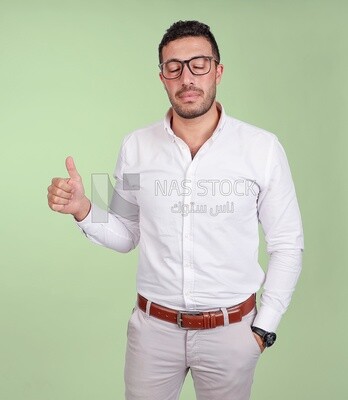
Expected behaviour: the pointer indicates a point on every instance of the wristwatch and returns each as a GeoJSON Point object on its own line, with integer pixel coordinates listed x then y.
{"type": "Point", "coordinates": [268, 337]}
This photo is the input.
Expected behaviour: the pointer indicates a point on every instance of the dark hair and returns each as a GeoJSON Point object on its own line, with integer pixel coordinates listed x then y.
{"type": "Point", "coordinates": [182, 29]}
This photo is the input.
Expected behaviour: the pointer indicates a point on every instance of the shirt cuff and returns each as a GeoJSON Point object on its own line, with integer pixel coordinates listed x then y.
{"type": "Point", "coordinates": [267, 319]}
{"type": "Point", "coordinates": [95, 215]}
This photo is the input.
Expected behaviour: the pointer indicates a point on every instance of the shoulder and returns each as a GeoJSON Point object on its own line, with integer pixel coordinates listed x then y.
{"type": "Point", "coordinates": [144, 142]}
{"type": "Point", "coordinates": [250, 133]}
{"type": "Point", "coordinates": [144, 135]}
{"type": "Point", "coordinates": [255, 144]}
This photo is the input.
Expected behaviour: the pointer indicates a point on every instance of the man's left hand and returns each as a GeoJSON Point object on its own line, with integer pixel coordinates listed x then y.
{"type": "Point", "coordinates": [259, 342]}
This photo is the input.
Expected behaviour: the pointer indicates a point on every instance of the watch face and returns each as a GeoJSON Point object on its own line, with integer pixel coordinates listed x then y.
{"type": "Point", "coordinates": [270, 338]}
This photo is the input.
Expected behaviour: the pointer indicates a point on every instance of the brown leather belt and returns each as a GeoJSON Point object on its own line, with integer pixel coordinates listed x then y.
{"type": "Point", "coordinates": [198, 320]}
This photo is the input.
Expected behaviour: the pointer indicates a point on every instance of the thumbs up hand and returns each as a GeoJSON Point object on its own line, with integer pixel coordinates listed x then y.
{"type": "Point", "coordinates": [67, 195]}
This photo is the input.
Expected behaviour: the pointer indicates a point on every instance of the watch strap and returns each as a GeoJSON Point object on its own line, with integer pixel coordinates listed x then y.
{"type": "Point", "coordinates": [268, 337]}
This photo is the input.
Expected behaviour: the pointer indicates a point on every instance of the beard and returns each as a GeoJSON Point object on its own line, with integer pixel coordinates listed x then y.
{"type": "Point", "coordinates": [191, 110]}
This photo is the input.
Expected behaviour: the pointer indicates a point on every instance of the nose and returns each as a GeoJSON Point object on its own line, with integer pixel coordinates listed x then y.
{"type": "Point", "coordinates": [186, 77]}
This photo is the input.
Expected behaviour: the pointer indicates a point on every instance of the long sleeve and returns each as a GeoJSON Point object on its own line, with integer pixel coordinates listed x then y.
{"type": "Point", "coordinates": [121, 231]}
{"type": "Point", "coordinates": [280, 218]}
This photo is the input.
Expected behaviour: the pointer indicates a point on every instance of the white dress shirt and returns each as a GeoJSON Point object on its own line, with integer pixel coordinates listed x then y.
{"type": "Point", "coordinates": [196, 220]}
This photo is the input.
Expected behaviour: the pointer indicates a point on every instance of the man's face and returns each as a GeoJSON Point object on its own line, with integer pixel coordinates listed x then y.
{"type": "Point", "coordinates": [191, 95]}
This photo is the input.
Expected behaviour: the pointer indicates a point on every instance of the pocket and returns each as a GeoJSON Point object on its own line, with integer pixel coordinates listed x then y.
{"type": "Point", "coordinates": [247, 322]}
{"type": "Point", "coordinates": [251, 337]}
{"type": "Point", "coordinates": [130, 320]}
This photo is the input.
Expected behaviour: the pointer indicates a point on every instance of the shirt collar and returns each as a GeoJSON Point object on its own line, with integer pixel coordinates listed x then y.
{"type": "Point", "coordinates": [220, 125]}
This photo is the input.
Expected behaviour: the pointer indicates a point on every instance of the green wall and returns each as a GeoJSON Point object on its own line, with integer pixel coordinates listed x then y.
{"type": "Point", "coordinates": [75, 77]}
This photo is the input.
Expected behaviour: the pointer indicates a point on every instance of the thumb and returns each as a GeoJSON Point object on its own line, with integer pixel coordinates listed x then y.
{"type": "Point", "coordinates": [72, 171]}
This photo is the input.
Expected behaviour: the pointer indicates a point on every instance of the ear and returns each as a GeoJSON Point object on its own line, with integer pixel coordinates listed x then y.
{"type": "Point", "coordinates": [161, 77]}
{"type": "Point", "coordinates": [219, 72]}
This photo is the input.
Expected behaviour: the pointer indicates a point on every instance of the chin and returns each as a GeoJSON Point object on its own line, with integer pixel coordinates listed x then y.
{"type": "Point", "coordinates": [192, 112]}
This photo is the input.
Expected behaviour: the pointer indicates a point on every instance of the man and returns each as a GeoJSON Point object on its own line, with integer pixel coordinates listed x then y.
{"type": "Point", "coordinates": [191, 191]}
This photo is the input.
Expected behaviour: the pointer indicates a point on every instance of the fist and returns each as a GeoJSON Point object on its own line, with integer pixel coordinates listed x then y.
{"type": "Point", "coordinates": [67, 195]}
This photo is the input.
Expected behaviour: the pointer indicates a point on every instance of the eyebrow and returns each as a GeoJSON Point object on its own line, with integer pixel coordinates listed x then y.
{"type": "Point", "coordinates": [177, 59]}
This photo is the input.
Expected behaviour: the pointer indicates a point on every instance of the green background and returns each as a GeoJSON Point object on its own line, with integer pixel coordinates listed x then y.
{"type": "Point", "coordinates": [75, 77]}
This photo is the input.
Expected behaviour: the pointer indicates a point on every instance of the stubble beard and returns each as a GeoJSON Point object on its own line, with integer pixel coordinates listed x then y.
{"type": "Point", "coordinates": [190, 111]}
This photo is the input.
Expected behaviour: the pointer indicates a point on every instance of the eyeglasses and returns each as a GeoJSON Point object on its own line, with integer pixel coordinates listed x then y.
{"type": "Point", "coordinates": [200, 65]}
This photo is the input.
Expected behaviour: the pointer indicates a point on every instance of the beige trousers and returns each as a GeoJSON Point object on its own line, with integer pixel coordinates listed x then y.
{"type": "Point", "coordinates": [159, 354]}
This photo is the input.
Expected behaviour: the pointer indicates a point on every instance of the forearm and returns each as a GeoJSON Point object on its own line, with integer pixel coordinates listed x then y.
{"type": "Point", "coordinates": [117, 233]}
{"type": "Point", "coordinates": [284, 268]}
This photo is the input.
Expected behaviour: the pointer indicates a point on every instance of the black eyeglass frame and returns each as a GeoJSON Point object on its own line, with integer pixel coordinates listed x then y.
{"type": "Point", "coordinates": [187, 62]}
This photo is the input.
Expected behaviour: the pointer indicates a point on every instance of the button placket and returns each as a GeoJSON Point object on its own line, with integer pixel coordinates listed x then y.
{"type": "Point", "coordinates": [187, 244]}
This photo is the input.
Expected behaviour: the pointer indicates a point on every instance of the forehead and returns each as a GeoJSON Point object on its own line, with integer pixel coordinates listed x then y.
{"type": "Point", "coordinates": [187, 47]}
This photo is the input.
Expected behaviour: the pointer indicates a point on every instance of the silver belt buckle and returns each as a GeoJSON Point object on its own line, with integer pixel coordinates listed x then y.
{"type": "Point", "coordinates": [181, 313]}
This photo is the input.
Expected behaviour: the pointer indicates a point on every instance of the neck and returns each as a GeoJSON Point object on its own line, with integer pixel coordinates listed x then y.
{"type": "Point", "coordinates": [196, 131]}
